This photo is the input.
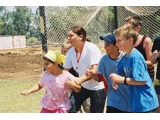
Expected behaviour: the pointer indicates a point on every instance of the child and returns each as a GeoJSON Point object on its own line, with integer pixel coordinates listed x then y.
{"type": "Point", "coordinates": [156, 59]}
{"type": "Point", "coordinates": [57, 83]}
{"type": "Point", "coordinates": [64, 49]}
{"type": "Point", "coordinates": [132, 71]}
{"type": "Point", "coordinates": [117, 100]}
{"type": "Point", "coordinates": [143, 44]}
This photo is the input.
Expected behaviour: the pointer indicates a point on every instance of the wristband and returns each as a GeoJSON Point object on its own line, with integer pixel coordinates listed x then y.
{"type": "Point", "coordinates": [125, 81]}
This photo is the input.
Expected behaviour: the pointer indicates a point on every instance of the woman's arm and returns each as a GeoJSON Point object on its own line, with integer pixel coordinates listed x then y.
{"type": "Point", "coordinates": [86, 77]}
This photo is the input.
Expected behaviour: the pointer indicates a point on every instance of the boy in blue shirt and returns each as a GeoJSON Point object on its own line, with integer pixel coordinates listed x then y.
{"type": "Point", "coordinates": [117, 100]}
{"type": "Point", "coordinates": [132, 71]}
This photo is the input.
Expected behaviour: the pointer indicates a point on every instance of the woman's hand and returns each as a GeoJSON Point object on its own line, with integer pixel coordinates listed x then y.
{"type": "Point", "coordinates": [90, 73]}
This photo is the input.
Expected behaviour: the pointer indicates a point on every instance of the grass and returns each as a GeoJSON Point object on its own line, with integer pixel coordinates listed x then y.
{"type": "Point", "coordinates": [13, 102]}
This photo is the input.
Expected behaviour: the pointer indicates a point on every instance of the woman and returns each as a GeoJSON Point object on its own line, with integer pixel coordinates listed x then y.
{"type": "Point", "coordinates": [85, 56]}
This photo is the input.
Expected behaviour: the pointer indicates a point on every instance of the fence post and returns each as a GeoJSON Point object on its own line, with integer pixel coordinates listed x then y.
{"type": "Point", "coordinates": [115, 18]}
{"type": "Point", "coordinates": [43, 29]}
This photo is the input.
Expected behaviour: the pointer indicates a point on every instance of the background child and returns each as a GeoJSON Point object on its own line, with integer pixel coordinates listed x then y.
{"type": "Point", "coordinates": [57, 83]}
{"type": "Point", "coordinates": [132, 71]}
{"type": "Point", "coordinates": [143, 44]}
{"type": "Point", "coordinates": [64, 49]}
{"type": "Point", "coordinates": [156, 59]}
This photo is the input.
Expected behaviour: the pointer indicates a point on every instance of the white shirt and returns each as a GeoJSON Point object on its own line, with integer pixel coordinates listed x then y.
{"type": "Point", "coordinates": [90, 55]}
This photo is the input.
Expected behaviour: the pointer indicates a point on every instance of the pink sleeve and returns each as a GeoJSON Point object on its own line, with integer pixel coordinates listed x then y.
{"type": "Point", "coordinates": [71, 77]}
{"type": "Point", "coordinates": [41, 80]}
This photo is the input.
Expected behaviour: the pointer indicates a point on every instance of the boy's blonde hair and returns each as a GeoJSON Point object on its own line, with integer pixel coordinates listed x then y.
{"type": "Point", "coordinates": [127, 31]}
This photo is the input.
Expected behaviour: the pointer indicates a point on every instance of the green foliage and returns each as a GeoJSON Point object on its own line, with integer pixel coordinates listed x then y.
{"type": "Point", "coordinates": [32, 41]}
{"type": "Point", "coordinates": [21, 21]}
{"type": "Point", "coordinates": [34, 30]}
{"type": "Point", "coordinates": [1, 26]}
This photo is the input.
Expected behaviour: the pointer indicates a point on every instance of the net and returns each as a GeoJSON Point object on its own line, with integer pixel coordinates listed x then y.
{"type": "Point", "coordinates": [96, 20]}
{"type": "Point", "coordinates": [150, 16]}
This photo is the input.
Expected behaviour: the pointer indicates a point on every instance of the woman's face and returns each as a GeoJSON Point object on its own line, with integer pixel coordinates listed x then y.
{"type": "Point", "coordinates": [73, 38]}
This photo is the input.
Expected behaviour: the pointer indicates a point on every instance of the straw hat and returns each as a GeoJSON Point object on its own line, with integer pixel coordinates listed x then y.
{"type": "Point", "coordinates": [55, 56]}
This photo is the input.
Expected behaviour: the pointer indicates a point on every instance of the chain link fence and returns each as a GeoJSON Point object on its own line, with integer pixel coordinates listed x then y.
{"type": "Point", "coordinates": [97, 21]}
{"type": "Point", "coordinates": [150, 16]}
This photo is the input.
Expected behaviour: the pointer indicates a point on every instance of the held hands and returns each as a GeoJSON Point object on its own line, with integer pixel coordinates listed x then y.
{"type": "Point", "coordinates": [25, 92]}
{"type": "Point", "coordinates": [90, 73]}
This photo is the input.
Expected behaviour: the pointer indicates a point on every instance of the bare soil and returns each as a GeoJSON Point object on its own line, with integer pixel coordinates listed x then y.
{"type": "Point", "coordinates": [21, 63]}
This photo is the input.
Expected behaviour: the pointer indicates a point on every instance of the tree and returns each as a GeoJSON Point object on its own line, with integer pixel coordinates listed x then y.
{"type": "Point", "coordinates": [21, 19]}
{"type": "Point", "coordinates": [2, 18]}
{"type": "Point", "coordinates": [15, 22]}
{"type": "Point", "coordinates": [34, 30]}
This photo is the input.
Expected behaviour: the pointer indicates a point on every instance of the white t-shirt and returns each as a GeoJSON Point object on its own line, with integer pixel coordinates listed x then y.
{"type": "Point", "coordinates": [90, 55]}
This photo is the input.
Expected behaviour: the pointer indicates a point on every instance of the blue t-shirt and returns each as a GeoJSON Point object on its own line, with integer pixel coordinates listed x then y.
{"type": "Point", "coordinates": [142, 98]}
{"type": "Point", "coordinates": [115, 98]}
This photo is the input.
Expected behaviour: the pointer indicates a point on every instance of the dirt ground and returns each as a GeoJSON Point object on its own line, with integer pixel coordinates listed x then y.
{"type": "Point", "coordinates": [21, 63]}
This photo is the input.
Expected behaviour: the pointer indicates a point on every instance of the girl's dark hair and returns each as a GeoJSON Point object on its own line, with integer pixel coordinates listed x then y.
{"type": "Point", "coordinates": [80, 31]}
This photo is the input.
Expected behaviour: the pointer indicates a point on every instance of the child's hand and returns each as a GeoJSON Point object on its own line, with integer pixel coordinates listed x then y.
{"type": "Point", "coordinates": [25, 92]}
{"type": "Point", "coordinates": [115, 77]}
{"type": "Point", "coordinates": [115, 85]}
{"type": "Point", "coordinates": [70, 83]}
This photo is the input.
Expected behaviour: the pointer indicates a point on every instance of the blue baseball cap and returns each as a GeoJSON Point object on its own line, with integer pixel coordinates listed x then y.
{"type": "Point", "coordinates": [109, 38]}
